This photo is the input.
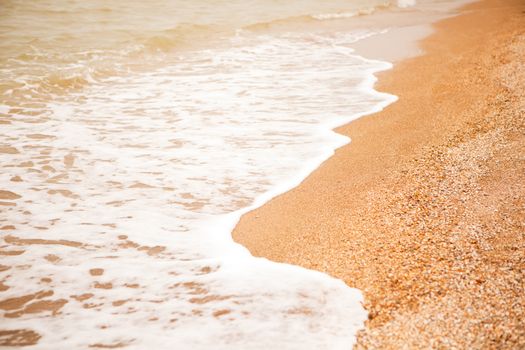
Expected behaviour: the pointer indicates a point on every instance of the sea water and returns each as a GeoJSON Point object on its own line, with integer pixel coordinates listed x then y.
{"type": "Point", "coordinates": [133, 137]}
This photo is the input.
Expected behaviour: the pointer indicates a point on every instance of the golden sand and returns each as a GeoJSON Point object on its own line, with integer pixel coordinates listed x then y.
{"type": "Point", "coordinates": [425, 210]}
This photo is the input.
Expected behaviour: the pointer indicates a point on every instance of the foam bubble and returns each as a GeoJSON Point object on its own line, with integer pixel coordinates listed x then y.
{"type": "Point", "coordinates": [324, 16]}
{"type": "Point", "coordinates": [406, 3]}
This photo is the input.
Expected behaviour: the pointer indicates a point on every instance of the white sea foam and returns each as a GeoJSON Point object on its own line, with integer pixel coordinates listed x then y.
{"type": "Point", "coordinates": [406, 3]}
{"type": "Point", "coordinates": [171, 158]}
{"type": "Point", "coordinates": [340, 15]}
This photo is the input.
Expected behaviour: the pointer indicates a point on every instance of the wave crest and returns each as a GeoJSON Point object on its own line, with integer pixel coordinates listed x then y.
{"type": "Point", "coordinates": [183, 35]}
{"type": "Point", "coordinates": [305, 19]}
{"type": "Point", "coordinates": [406, 3]}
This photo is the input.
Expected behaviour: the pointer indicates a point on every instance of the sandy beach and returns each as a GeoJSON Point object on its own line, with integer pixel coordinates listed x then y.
{"type": "Point", "coordinates": [424, 211]}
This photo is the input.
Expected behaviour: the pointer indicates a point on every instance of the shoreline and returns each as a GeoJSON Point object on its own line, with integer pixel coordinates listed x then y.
{"type": "Point", "coordinates": [397, 214]}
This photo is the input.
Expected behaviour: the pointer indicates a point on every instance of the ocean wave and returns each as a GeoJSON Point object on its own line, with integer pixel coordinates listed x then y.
{"type": "Point", "coordinates": [281, 22]}
{"type": "Point", "coordinates": [406, 3]}
{"type": "Point", "coordinates": [40, 85]}
{"type": "Point", "coordinates": [305, 19]}
{"type": "Point", "coordinates": [67, 82]}
{"type": "Point", "coordinates": [328, 16]}
{"type": "Point", "coordinates": [183, 35]}
{"type": "Point", "coordinates": [360, 12]}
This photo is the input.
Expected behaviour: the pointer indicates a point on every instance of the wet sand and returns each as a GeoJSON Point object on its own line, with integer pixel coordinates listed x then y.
{"type": "Point", "coordinates": [425, 210]}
